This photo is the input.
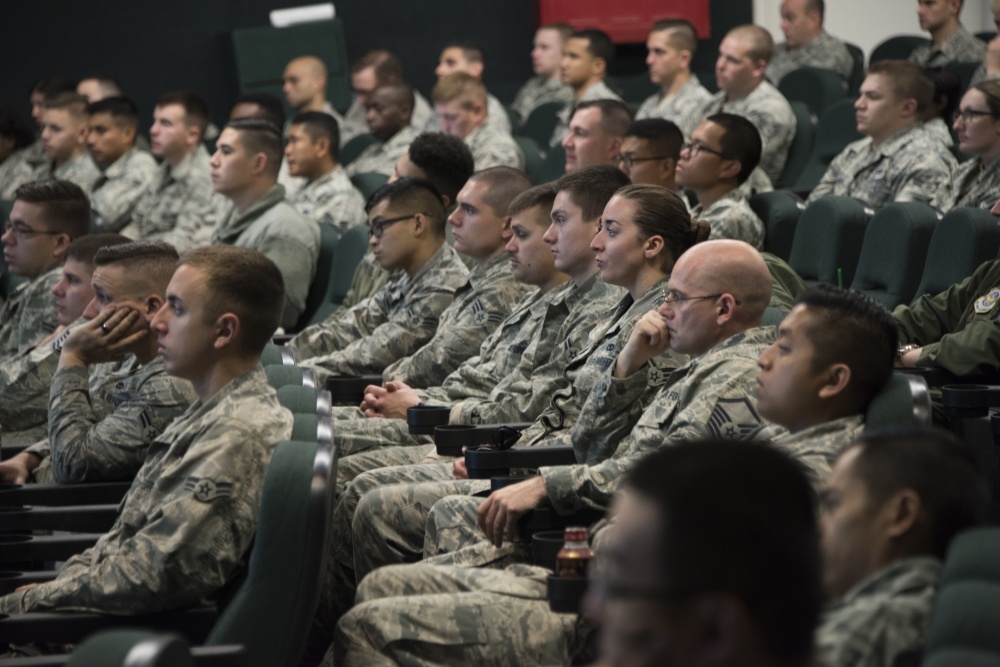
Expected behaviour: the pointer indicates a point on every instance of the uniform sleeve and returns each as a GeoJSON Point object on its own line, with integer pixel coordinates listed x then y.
{"type": "Point", "coordinates": [871, 635]}
{"type": "Point", "coordinates": [368, 279]}
{"type": "Point", "coordinates": [115, 200]}
{"type": "Point", "coordinates": [85, 447]}
{"type": "Point", "coordinates": [833, 176]}
{"type": "Point", "coordinates": [194, 225]}
{"type": "Point", "coordinates": [339, 331]}
{"type": "Point", "coordinates": [927, 174]}
{"type": "Point", "coordinates": [183, 552]}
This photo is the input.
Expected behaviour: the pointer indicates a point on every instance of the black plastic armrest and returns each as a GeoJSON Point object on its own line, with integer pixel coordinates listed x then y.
{"type": "Point", "coordinates": [486, 463]}
{"type": "Point", "coordinates": [18, 547]}
{"type": "Point", "coordinates": [81, 518]}
{"type": "Point", "coordinates": [72, 628]}
{"type": "Point", "coordinates": [969, 401]}
{"type": "Point", "coordinates": [281, 339]}
{"type": "Point", "coordinates": [227, 655]}
{"type": "Point", "coordinates": [9, 451]}
{"type": "Point", "coordinates": [12, 580]}
{"type": "Point", "coordinates": [97, 493]}
{"type": "Point", "coordinates": [451, 438]}
{"type": "Point", "coordinates": [938, 377]}
{"type": "Point", "coordinates": [350, 389]}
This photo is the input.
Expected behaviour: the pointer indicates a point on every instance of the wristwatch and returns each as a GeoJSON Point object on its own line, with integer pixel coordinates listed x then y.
{"type": "Point", "coordinates": [903, 350]}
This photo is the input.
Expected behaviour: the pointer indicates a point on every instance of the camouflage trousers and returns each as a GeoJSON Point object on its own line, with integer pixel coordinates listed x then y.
{"type": "Point", "coordinates": [426, 615]}
{"type": "Point", "coordinates": [362, 434]}
{"type": "Point", "coordinates": [353, 465]}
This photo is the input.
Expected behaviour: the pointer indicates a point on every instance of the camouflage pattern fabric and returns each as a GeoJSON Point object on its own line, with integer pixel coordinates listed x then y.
{"type": "Point", "coordinates": [823, 51]}
{"type": "Point", "coordinates": [598, 91]}
{"type": "Point", "coordinates": [117, 191]}
{"type": "Point", "coordinates": [732, 218]}
{"type": "Point", "coordinates": [20, 168]}
{"type": "Point", "coordinates": [816, 447]}
{"type": "Point", "coordinates": [539, 90]}
{"type": "Point", "coordinates": [369, 277]}
{"type": "Point", "coordinates": [961, 47]}
{"type": "Point", "coordinates": [681, 108]}
{"type": "Point", "coordinates": [80, 170]}
{"type": "Point", "coordinates": [491, 148]}
{"type": "Point", "coordinates": [332, 200]}
{"type": "Point", "coordinates": [29, 315]}
{"type": "Point", "coordinates": [975, 184]}
{"type": "Point", "coordinates": [381, 157]}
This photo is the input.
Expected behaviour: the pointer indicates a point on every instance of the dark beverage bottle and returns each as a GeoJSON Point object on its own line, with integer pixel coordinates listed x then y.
{"type": "Point", "coordinates": [576, 554]}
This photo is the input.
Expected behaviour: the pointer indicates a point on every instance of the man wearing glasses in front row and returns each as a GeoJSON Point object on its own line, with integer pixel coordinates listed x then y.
{"type": "Point", "coordinates": [46, 218]}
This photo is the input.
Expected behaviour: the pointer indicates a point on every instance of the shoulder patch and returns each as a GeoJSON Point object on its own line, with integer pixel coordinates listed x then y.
{"type": "Point", "coordinates": [206, 490]}
{"type": "Point", "coordinates": [986, 302]}
{"type": "Point", "coordinates": [733, 419]}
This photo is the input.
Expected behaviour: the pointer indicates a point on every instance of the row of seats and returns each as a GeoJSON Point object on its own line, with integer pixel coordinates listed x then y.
{"type": "Point", "coordinates": [896, 255]}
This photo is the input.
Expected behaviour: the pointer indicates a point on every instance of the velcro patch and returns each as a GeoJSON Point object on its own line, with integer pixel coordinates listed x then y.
{"type": "Point", "coordinates": [733, 418]}
{"type": "Point", "coordinates": [206, 490]}
{"type": "Point", "coordinates": [482, 316]}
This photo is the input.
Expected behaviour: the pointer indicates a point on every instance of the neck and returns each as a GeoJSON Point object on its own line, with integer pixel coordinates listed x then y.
{"type": "Point", "coordinates": [422, 255]}
{"type": "Point", "coordinates": [246, 198]}
{"type": "Point", "coordinates": [115, 159]}
{"type": "Point", "coordinates": [582, 277]}
{"type": "Point", "coordinates": [222, 372]}
{"type": "Point", "coordinates": [942, 34]}
{"type": "Point", "coordinates": [77, 152]}
{"type": "Point", "coordinates": [648, 276]}
{"type": "Point", "coordinates": [145, 352]}
{"type": "Point", "coordinates": [710, 195]}
{"type": "Point", "coordinates": [584, 87]}
{"type": "Point", "coordinates": [882, 138]}
{"type": "Point", "coordinates": [733, 95]}
{"type": "Point", "coordinates": [824, 414]}
{"type": "Point", "coordinates": [682, 77]}
{"type": "Point", "coordinates": [315, 104]}
{"type": "Point", "coordinates": [325, 169]}
{"type": "Point", "coordinates": [177, 159]}
{"type": "Point", "coordinates": [483, 261]}
{"type": "Point", "coordinates": [557, 278]}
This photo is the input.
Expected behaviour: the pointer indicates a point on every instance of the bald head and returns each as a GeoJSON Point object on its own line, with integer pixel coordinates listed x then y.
{"type": "Point", "coordinates": [305, 83]}
{"type": "Point", "coordinates": [758, 40]}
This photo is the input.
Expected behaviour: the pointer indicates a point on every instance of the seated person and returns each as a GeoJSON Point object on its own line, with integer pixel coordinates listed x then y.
{"type": "Point", "coordinates": [460, 104]}
{"type": "Point", "coordinates": [245, 171]}
{"type": "Point", "coordinates": [46, 218]}
{"type": "Point", "coordinates": [469, 59]}
{"type": "Point", "coordinates": [110, 395]}
{"type": "Point", "coordinates": [25, 379]}
{"type": "Point", "coordinates": [407, 237]}
{"type": "Point", "coordinates": [259, 105]}
{"type": "Point", "coordinates": [443, 160]}
{"type": "Point", "coordinates": [180, 206]}
{"type": "Point", "coordinates": [546, 85]}
{"type": "Point", "coordinates": [670, 47]}
{"type": "Point", "coordinates": [585, 59]}
{"type": "Point", "coordinates": [950, 41]}
{"type": "Point", "coordinates": [389, 117]}
{"type": "Point", "coordinates": [720, 156]}
{"type": "Point", "coordinates": [375, 69]}
{"type": "Point", "coordinates": [126, 171]}
{"type": "Point", "coordinates": [312, 151]}
{"type": "Point", "coordinates": [940, 113]}
{"type": "Point", "coordinates": [16, 134]}
{"type": "Point", "coordinates": [890, 508]}
{"type": "Point", "coordinates": [304, 85]}
{"type": "Point", "coordinates": [96, 87]}
{"type": "Point", "coordinates": [166, 549]}
{"type": "Point", "coordinates": [649, 152]}
{"type": "Point", "coordinates": [744, 54]}
{"type": "Point", "coordinates": [806, 43]}
{"type": "Point", "coordinates": [64, 140]}
{"type": "Point", "coordinates": [898, 160]}
{"type": "Point", "coordinates": [595, 133]}
{"type": "Point", "coordinates": [977, 122]}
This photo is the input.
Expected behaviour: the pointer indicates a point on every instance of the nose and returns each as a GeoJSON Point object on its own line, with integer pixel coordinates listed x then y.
{"type": "Point", "coordinates": [649, 58]}
{"type": "Point", "coordinates": [567, 141]}
{"type": "Point", "coordinates": [8, 237]}
{"type": "Point", "coordinates": [550, 234]}
{"type": "Point", "coordinates": [511, 246]}
{"type": "Point", "coordinates": [59, 289]}
{"type": "Point", "coordinates": [597, 243]}
{"type": "Point", "coordinates": [455, 219]}
{"type": "Point", "coordinates": [996, 208]}
{"type": "Point", "coordinates": [92, 309]}
{"type": "Point", "coordinates": [159, 321]}
{"type": "Point", "coordinates": [764, 360]}
{"type": "Point", "coordinates": [214, 162]}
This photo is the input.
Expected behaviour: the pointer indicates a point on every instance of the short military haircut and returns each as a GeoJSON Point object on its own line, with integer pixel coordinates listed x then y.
{"type": "Point", "coordinates": [991, 91]}
{"type": "Point", "coordinates": [462, 88]}
{"type": "Point", "coordinates": [75, 104]}
{"type": "Point", "coordinates": [445, 160]}
{"type": "Point", "coordinates": [940, 469]}
{"type": "Point", "coordinates": [947, 86]}
{"type": "Point", "coordinates": [65, 206]}
{"type": "Point", "coordinates": [599, 45]}
{"type": "Point", "coordinates": [615, 115]}
{"type": "Point", "coordinates": [660, 212]}
{"type": "Point", "coordinates": [226, 288]}
{"type": "Point", "coordinates": [109, 85]}
{"type": "Point", "coordinates": [539, 196]}
{"type": "Point", "coordinates": [472, 52]}
{"type": "Point", "coordinates": [564, 29]}
{"type": "Point", "coordinates": [387, 67]}
{"type": "Point", "coordinates": [682, 35]}
{"type": "Point", "coordinates": [149, 265]}
{"type": "Point", "coordinates": [15, 125]}
{"type": "Point", "coordinates": [53, 85]}
{"type": "Point", "coordinates": [502, 185]}
{"type": "Point", "coordinates": [84, 249]}
{"type": "Point", "coordinates": [122, 110]}
{"type": "Point", "coordinates": [591, 188]}
{"type": "Point", "coordinates": [753, 536]}
{"type": "Point", "coordinates": [319, 125]}
{"type": "Point", "coordinates": [271, 108]}
{"type": "Point", "coordinates": [906, 80]}
{"type": "Point", "coordinates": [740, 141]}
{"type": "Point", "coordinates": [816, 6]}
{"type": "Point", "coordinates": [260, 136]}
{"type": "Point", "coordinates": [758, 39]}
{"type": "Point", "coordinates": [195, 107]}
{"type": "Point", "coordinates": [415, 195]}
{"type": "Point", "coordinates": [663, 136]}
{"type": "Point", "coordinates": [849, 327]}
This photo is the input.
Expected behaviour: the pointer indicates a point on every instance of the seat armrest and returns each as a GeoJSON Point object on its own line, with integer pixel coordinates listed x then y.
{"type": "Point", "coordinates": [97, 493]}
{"type": "Point", "coordinates": [350, 389]}
{"type": "Point", "coordinates": [19, 547]}
{"type": "Point", "coordinates": [82, 518]}
{"type": "Point", "coordinates": [71, 628]}
{"type": "Point", "coordinates": [486, 463]}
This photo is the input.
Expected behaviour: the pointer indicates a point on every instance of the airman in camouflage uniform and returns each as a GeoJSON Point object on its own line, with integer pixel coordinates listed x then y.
{"type": "Point", "coordinates": [598, 91]}
{"type": "Point", "coordinates": [381, 157]}
{"type": "Point", "coordinates": [116, 193]}
{"type": "Point", "coordinates": [355, 122]}
{"type": "Point", "coordinates": [393, 324]}
{"type": "Point", "coordinates": [29, 315]}
{"type": "Point", "coordinates": [80, 170]}
{"type": "Point", "coordinates": [202, 479]}
{"type": "Point", "coordinates": [369, 278]}
{"type": "Point", "coordinates": [332, 199]}
{"type": "Point", "coordinates": [909, 166]}
{"type": "Point", "coordinates": [732, 218]}
{"type": "Point", "coordinates": [683, 107]}
{"type": "Point", "coordinates": [491, 148]}
{"type": "Point", "coordinates": [816, 447]}
{"type": "Point", "coordinates": [975, 184]}
{"type": "Point", "coordinates": [961, 47]}
{"type": "Point", "coordinates": [20, 168]}
{"type": "Point", "coordinates": [539, 90]}
{"type": "Point", "coordinates": [180, 206]}
{"type": "Point", "coordinates": [823, 51]}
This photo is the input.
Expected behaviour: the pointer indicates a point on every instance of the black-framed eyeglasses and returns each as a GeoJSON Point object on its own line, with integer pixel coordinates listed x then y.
{"type": "Point", "coordinates": [378, 225]}
{"type": "Point", "coordinates": [968, 114]}
{"type": "Point", "coordinates": [21, 232]}
{"type": "Point", "coordinates": [673, 297]}
{"type": "Point", "coordinates": [629, 160]}
{"type": "Point", "coordinates": [695, 147]}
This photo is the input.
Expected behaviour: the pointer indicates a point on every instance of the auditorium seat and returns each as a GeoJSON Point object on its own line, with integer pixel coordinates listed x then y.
{"type": "Point", "coordinates": [828, 239]}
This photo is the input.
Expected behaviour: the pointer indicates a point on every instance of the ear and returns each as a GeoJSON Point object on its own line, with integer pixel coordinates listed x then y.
{"type": "Point", "coordinates": [228, 328]}
{"type": "Point", "coordinates": [193, 136]}
{"type": "Point", "coordinates": [153, 304]}
{"type": "Point", "coordinates": [908, 107]}
{"type": "Point", "coordinates": [668, 166]}
{"type": "Point", "coordinates": [81, 134]}
{"type": "Point", "coordinates": [322, 147]}
{"type": "Point", "coordinates": [653, 246]}
{"type": "Point", "coordinates": [62, 242]}
{"type": "Point", "coordinates": [730, 169]}
{"type": "Point", "coordinates": [130, 131]}
{"type": "Point", "coordinates": [476, 70]}
{"type": "Point", "coordinates": [905, 509]}
{"type": "Point", "coordinates": [258, 164]}
{"type": "Point", "coordinates": [599, 67]}
{"type": "Point", "coordinates": [685, 57]}
{"type": "Point", "coordinates": [838, 376]}
{"type": "Point", "coordinates": [615, 147]}
{"type": "Point", "coordinates": [726, 307]}
{"type": "Point", "coordinates": [758, 69]}
{"type": "Point", "coordinates": [423, 225]}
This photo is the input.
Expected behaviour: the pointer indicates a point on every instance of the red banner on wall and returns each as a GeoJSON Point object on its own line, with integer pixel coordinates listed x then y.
{"type": "Point", "coordinates": [626, 21]}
